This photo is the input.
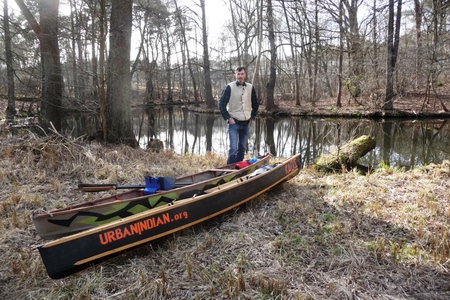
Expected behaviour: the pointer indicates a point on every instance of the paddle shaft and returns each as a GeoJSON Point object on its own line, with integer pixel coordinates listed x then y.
{"type": "Point", "coordinates": [92, 187]}
{"type": "Point", "coordinates": [88, 187]}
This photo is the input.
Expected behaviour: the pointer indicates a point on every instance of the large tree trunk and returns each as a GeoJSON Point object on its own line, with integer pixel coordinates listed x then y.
{"type": "Point", "coordinates": [347, 156]}
{"type": "Point", "coordinates": [51, 65]}
{"type": "Point", "coordinates": [118, 108]}
{"type": "Point", "coordinates": [355, 47]}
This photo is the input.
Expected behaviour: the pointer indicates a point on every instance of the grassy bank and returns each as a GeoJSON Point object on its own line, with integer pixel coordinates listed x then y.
{"type": "Point", "coordinates": [336, 236]}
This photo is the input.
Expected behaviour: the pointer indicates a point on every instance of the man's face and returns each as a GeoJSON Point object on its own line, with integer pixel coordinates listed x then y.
{"type": "Point", "coordinates": [240, 76]}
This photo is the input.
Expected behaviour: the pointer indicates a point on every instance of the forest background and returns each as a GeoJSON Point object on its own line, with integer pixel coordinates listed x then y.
{"type": "Point", "coordinates": [76, 55]}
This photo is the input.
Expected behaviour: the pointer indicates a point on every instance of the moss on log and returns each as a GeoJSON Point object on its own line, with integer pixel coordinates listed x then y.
{"type": "Point", "coordinates": [347, 156]}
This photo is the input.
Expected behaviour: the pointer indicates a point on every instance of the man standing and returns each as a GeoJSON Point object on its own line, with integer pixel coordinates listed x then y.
{"type": "Point", "coordinates": [238, 106]}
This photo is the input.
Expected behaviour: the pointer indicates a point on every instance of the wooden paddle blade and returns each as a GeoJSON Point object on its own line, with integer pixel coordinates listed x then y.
{"type": "Point", "coordinates": [88, 187]}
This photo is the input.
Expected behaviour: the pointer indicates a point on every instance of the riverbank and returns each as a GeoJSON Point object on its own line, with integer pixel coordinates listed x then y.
{"type": "Point", "coordinates": [409, 106]}
{"type": "Point", "coordinates": [318, 236]}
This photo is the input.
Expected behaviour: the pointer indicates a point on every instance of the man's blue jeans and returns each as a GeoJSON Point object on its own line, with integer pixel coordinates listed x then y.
{"type": "Point", "coordinates": [238, 134]}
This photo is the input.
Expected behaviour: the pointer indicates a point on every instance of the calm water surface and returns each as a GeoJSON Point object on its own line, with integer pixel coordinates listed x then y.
{"type": "Point", "coordinates": [400, 143]}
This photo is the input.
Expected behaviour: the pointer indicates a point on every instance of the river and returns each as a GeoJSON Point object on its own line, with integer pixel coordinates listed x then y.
{"type": "Point", "coordinates": [399, 143]}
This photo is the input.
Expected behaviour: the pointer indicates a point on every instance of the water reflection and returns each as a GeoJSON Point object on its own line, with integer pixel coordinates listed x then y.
{"type": "Point", "coordinates": [401, 143]}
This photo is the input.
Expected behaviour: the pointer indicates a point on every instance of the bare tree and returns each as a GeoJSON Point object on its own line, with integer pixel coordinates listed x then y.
{"type": "Point", "coordinates": [77, 38]}
{"type": "Point", "coordinates": [255, 77]}
{"type": "Point", "coordinates": [293, 53]}
{"type": "Point", "coordinates": [375, 45]}
{"type": "Point", "coordinates": [152, 28]}
{"type": "Point", "coordinates": [243, 23]}
{"type": "Point", "coordinates": [101, 76]}
{"type": "Point", "coordinates": [186, 52]}
{"type": "Point", "coordinates": [165, 42]}
{"type": "Point", "coordinates": [392, 50]}
{"type": "Point", "coordinates": [93, 29]}
{"type": "Point", "coordinates": [341, 53]}
{"type": "Point", "coordinates": [52, 80]}
{"type": "Point", "coordinates": [11, 108]}
{"type": "Point", "coordinates": [438, 22]}
{"type": "Point", "coordinates": [418, 23]}
{"type": "Point", "coordinates": [270, 86]}
{"type": "Point", "coordinates": [206, 67]}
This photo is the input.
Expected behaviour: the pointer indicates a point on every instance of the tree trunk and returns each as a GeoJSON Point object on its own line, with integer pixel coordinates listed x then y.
{"type": "Point", "coordinates": [118, 109]}
{"type": "Point", "coordinates": [347, 156]}
{"type": "Point", "coordinates": [93, 28]}
{"type": "Point", "coordinates": [11, 108]}
{"type": "Point", "coordinates": [168, 52]}
{"type": "Point", "coordinates": [393, 44]}
{"type": "Point", "coordinates": [150, 68]}
{"type": "Point", "coordinates": [270, 87]}
{"type": "Point", "coordinates": [316, 53]}
{"type": "Point", "coordinates": [375, 44]}
{"type": "Point", "coordinates": [341, 53]}
{"type": "Point", "coordinates": [388, 102]}
{"type": "Point", "coordinates": [355, 47]}
{"type": "Point", "coordinates": [74, 37]}
{"type": "Point", "coordinates": [52, 86]}
{"type": "Point", "coordinates": [101, 76]}
{"type": "Point", "coordinates": [418, 23]}
{"type": "Point", "coordinates": [206, 67]}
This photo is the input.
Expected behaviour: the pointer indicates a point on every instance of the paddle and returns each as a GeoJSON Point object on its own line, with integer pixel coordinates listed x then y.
{"type": "Point", "coordinates": [152, 184]}
{"type": "Point", "coordinates": [92, 187]}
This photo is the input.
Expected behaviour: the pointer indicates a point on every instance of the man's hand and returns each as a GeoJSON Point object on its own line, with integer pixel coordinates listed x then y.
{"type": "Point", "coordinates": [231, 121]}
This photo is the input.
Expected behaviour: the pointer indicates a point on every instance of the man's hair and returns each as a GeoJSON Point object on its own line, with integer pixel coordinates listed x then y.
{"type": "Point", "coordinates": [241, 68]}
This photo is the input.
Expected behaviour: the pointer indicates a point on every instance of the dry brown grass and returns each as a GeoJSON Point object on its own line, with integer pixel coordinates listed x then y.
{"type": "Point", "coordinates": [336, 236]}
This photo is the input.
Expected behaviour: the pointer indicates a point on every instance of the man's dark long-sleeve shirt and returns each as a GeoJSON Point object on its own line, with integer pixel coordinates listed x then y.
{"type": "Point", "coordinates": [225, 98]}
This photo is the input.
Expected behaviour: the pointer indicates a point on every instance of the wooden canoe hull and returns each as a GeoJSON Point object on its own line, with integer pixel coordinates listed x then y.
{"type": "Point", "coordinates": [83, 216]}
{"type": "Point", "coordinates": [73, 253]}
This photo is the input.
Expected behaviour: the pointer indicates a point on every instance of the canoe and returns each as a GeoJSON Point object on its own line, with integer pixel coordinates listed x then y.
{"type": "Point", "coordinates": [73, 253]}
{"type": "Point", "coordinates": [70, 220]}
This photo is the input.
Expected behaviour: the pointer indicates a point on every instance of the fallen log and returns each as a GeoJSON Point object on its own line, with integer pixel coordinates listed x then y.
{"type": "Point", "coordinates": [347, 156]}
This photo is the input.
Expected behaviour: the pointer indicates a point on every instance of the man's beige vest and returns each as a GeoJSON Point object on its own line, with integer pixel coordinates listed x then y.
{"type": "Point", "coordinates": [240, 105]}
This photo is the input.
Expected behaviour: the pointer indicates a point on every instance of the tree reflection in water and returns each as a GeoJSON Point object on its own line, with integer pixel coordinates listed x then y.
{"type": "Point", "coordinates": [400, 143]}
